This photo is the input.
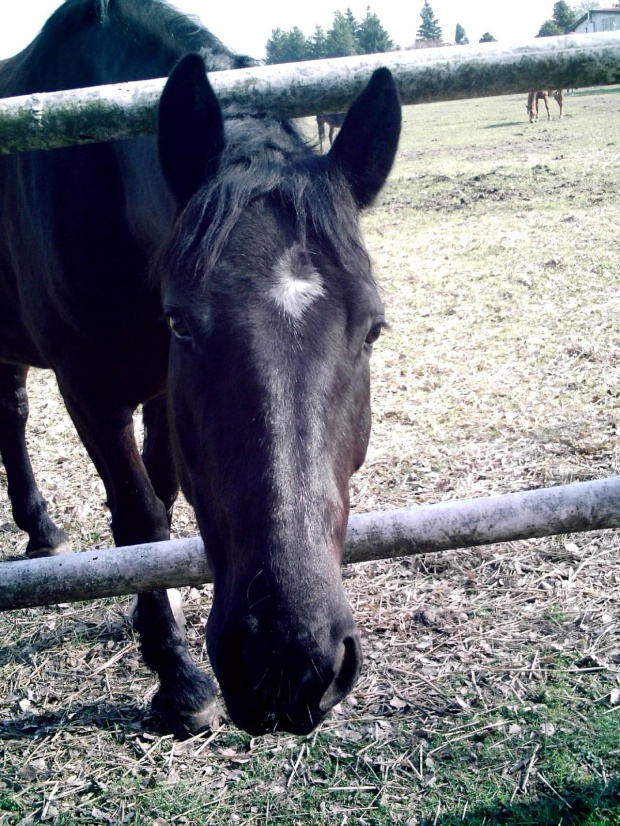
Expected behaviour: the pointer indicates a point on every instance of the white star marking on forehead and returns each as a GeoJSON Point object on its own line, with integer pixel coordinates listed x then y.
{"type": "Point", "coordinates": [296, 284]}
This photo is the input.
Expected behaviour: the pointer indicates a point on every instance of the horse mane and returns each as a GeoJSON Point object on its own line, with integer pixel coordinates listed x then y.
{"type": "Point", "coordinates": [148, 40]}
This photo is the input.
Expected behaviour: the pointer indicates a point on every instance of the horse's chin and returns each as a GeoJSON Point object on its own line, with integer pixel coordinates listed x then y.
{"type": "Point", "coordinates": [258, 723]}
{"type": "Point", "coordinates": [275, 676]}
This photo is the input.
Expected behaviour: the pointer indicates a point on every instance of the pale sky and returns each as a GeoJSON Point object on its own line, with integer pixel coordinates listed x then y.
{"type": "Point", "coordinates": [246, 26]}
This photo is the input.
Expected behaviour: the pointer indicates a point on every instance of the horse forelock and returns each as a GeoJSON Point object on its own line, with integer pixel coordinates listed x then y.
{"type": "Point", "coordinates": [269, 162]}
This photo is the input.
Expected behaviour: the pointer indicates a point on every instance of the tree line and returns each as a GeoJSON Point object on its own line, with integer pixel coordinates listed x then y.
{"type": "Point", "coordinates": [430, 30]}
{"type": "Point", "coordinates": [348, 36]}
{"type": "Point", "coordinates": [563, 20]}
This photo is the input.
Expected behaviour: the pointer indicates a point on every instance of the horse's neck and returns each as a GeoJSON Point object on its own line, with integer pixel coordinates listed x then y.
{"type": "Point", "coordinates": [149, 208]}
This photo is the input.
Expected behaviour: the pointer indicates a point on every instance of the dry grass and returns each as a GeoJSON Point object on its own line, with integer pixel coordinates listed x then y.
{"type": "Point", "coordinates": [491, 676]}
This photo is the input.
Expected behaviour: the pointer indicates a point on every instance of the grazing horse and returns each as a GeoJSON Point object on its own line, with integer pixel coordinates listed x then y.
{"type": "Point", "coordinates": [334, 121]}
{"type": "Point", "coordinates": [534, 97]}
{"type": "Point", "coordinates": [216, 274]}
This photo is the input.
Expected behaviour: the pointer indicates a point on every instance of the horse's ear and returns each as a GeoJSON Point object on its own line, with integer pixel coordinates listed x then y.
{"type": "Point", "coordinates": [190, 130]}
{"type": "Point", "coordinates": [366, 145]}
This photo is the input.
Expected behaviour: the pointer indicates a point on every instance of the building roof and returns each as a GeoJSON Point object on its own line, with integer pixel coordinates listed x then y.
{"type": "Point", "coordinates": [606, 10]}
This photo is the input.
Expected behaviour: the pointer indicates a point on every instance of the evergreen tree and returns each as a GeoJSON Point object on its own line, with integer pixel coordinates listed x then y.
{"type": "Point", "coordinates": [275, 46]}
{"type": "Point", "coordinates": [549, 29]}
{"type": "Point", "coordinates": [340, 40]}
{"type": "Point", "coordinates": [372, 38]}
{"type": "Point", "coordinates": [460, 38]}
{"type": "Point", "coordinates": [564, 16]}
{"type": "Point", "coordinates": [487, 37]}
{"type": "Point", "coordinates": [288, 47]}
{"type": "Point", "coordinates": [318, 44]}
{"type": "Point", "coordinates": [346, 37]}
{"type": "Point", "coordinates": [299, 44]}
{"type": "Point", "coordinates": [353, 24]}
{"type": "Point", "coordinates": [430, 28]}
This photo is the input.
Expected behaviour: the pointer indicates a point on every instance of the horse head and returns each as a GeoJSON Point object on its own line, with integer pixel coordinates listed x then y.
{"type": "Point", "coordinates": [273, 313]}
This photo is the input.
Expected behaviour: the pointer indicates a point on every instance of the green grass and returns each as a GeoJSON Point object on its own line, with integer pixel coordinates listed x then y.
{"type": "Point", "coordinates": [465, 771]}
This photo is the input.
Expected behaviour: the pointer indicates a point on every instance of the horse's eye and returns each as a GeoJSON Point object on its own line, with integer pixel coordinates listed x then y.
{"type": "Point", "coordinates": [373, 334]}
{"type": "Point", "coordinates": [179, 327]}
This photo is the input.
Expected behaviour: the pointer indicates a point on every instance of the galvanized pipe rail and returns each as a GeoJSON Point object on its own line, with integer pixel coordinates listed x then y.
{"type": "Point", "coordinates": [583, 506]}
{"type": "Point", "coordinates": [46, 121]}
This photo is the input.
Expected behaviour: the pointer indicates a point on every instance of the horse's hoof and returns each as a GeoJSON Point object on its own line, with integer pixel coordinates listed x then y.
{"type": "Point", "coordinates": [189, 705]}
{"type": "Point", "coordinates": [187, 723]}
{"type": "Point", "coordinates": [208, 718]}
{"type": "Point", "coordinates": [47, 550]}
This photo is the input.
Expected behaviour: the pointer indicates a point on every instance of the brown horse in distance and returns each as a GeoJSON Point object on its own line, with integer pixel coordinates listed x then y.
{"type": "Point", "coordinates": [334, 121]}
{"type": "Point", "coordinates": [534, 97]}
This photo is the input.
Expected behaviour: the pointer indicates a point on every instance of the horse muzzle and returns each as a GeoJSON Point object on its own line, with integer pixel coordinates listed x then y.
{"type": "Point", "coordinates": [275, 679]}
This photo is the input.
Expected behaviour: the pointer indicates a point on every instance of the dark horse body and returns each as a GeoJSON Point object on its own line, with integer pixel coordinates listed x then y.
{"type": "Point", "coordinates": [249, 330]}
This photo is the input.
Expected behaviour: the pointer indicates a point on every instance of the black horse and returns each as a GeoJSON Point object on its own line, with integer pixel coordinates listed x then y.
{"type": "Point", "coordinates": [215, 274]}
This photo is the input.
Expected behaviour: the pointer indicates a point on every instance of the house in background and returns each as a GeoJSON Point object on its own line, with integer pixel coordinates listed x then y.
{"type": "Point", "coordinates": [599, 20]}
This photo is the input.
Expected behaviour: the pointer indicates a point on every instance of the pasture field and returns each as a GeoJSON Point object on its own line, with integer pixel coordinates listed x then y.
{"type": "Point", "coordinates": [491, 687]}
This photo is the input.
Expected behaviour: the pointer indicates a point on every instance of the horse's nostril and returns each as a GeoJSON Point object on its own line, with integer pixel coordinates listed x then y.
{"type": "Point", "coordinates": [346, 673]}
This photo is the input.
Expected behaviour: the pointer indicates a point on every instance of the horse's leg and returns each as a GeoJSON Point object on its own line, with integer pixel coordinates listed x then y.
{"type": "Point", "coordinates": [29, 510]}
{"type": "Point", "coordinates": [159, 464]}
{"type": "Point", "coordinates": [331, 134]}
{"type": "Point", "coordinates": [186, 696]}
{"type": "Point", "coordinates": [321, 127]}
{"type": "Point", "coordinates": [546, 100]}
{"type": "Point", "coordinates": [560, 99]}
{"type": "Point", "coordinates": [157, 452]}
